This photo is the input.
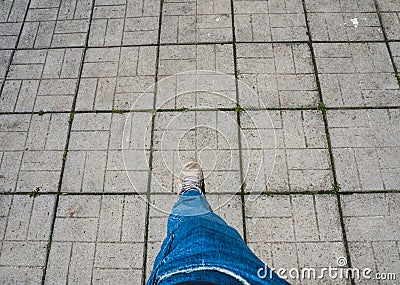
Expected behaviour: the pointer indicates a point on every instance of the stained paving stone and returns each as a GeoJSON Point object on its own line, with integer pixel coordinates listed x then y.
{"type": "Point", "coordinates": [32, 149]}
{"type": "Point", "coordinates": [276, 75]}
{"type": "Point", "coordinates": [295, 231]}
{"type": "Point", "coordinates": [356, 75]}
{"type": "Point", "coordinates": [97, 239]}
{"type": "Point", "coordinates": [25, 224]}
{"type": "Point", "coordinates": [261, 21]}
{"type": "Point", "coordinates": [131, 22]}
{"type": "Point", "coordinates": [60, 23]}
{"type": "Point", "coordinates": [195, 21]}
{"type": "Point", "coordinates": [366, 148]}
{"type": "Point", "coordinates": [373, 232]}
{"type": "Point", "coordinates": [99, 161]}
{"type": "Point", "coordinates": [343, 20]}
{"type": "Point", "coordinates": [120, 78]}
{"type": "Point", "coordinates": [285, 151]}
{"type": "Point", "coordinates": [40, 79]}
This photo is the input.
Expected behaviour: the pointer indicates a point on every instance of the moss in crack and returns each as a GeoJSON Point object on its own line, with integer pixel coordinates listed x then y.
{"type": "Point", "coordinates": [71, 117]}
{"type": "Point", "coordinates": [34, 193]}
{"type": "Point", "coordinates": [322, 107]}
{"type": "Point", "coordinates": [336, 187]}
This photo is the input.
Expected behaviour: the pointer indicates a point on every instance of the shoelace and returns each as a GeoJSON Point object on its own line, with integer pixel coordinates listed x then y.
{"type": "Point", "coordinates": [191, 183]}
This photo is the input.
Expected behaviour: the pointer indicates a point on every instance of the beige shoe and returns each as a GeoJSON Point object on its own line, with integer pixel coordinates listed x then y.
{"type": "Point", "coordinates": [192, 178]}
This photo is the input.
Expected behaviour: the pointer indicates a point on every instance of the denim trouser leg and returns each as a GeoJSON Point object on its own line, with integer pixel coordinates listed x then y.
{"type": "Point", "coordinates": [200, 245]}
{"type": "Point", "coordinates": [190, 203]}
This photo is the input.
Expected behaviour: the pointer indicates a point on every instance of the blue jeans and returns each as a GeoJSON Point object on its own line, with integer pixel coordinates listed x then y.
{"type": "Point", "coordinates": [201, 246]}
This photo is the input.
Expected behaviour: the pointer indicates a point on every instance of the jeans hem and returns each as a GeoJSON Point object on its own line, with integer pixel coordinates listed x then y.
{"type": "Point", "coordinates": [203, 268]}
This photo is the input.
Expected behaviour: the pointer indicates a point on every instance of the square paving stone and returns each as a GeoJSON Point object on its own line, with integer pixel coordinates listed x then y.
{"type": "Point", "coordinates": [99, 161]}
{"type": "Point", "coordinates": [25, 224]}
{"type": "Point", "coordinates": [228, 207]}
{"type": "Point", "coordinates": [182, 58]}
{"type": "Point", "coordinates": [343, 20]}
{"type": "Point", "coordinates": [97, 239]}
{"type": "Point", "coordinates": [366, 148]}
{"type": "Point", "coordinates": [60, 23]}
{"type": "Point", "coordinates": [356, 75]}
{"type": "Point", "coordinates": [41, 80]}
{"type": "Point", "coordinates": [13, 11]}
{"type": "Point", "coordinates": [191, 76]}
{"type": "Point", "coordinates": [31, 150]}
{"type": "Point", "coordinates": [210, 137]}
{"type": "Point", "coordinates": [276, 75]}
{"type": "Point", "coordinates": [196, 89]}
{"type": "Point", "coordinates": [131, 22]}
{"type": "Point", "coordinates": [293, 231]}
{"type": "Point", "coordinates": [373, 233]}
{"type": "Point", "coordinates": [9, 32]}
{"type": "Point", "coordinates": [285, 151]}
{"type": "Point", "coordinates": [276, 20]}
{"type": "Point", "coordinates": [120, 78]}
{"type": "Point", "coordinates": [193, 21]}
{"type": "Point", "coordinates": [390, 13]}
{"type": "Point", "coordinates": [395, 48]}
{"type": "Point", "coordinates": [5, 58]}
{"type": "Point", "coordinates": [11, 17]}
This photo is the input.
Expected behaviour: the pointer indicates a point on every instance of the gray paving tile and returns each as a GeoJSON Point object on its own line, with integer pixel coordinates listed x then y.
{"type": "Point", "coordinates": [343, 20]}
{"type": "Point", "coordinates": [391, 24]}
{"type": "Point", "coordinates": [131, 22]}
{"type": "Point", "coordinates": [295, 231]}
{"type": "Point", "coordinates": [60, 23]}
{"type": "Point", "coordinates": [285, 151]}
{"type": "Point", "coordinates": [356, 75]}
{"type": "Point", "coordinates": [207, 136]}
{"type": "Point", "coordinates": [182, 58]}
{"type": "Point", "coordinates": [25, 230]}
{"type": "Point", "coordinates": [11, 17]}
{"type": "Point", "coordinates": [98, 161]}
{"type": "Point", "coordinates": [366, 148]}
{"type": "Point", "coordinates": [120, 78]}
{"type": "Point", "coordinates": [373, 232]}
{"type": "Point", "coordinates": [388, 5]}
{"type": "Point", "coordinates": [97, 239]}
{"type": "Point", "coordinates": [276, 75]}
{"type": "Point", "coordinates": [269, 21]}
{"type": "Point", "coordinates": [196, 21]}
{"type": "Point", "coordinates": [5, 58]}
{"type": "Point", "coordinates": [196, 76]}
{"type": "Point", "coordinates": [32, 149]}
{"type": "Point", "coordinates": [395, 49]}
{"type": "Point", "coordinates": [41, 80]}
{"type": "Point", "coordinates": [9, 32]}
{"type": "Point", "coordinates": [13, 11]}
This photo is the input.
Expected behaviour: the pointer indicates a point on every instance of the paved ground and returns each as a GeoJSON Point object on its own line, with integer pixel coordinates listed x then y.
{"type": "Point", "coordinates": [301, 151]}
